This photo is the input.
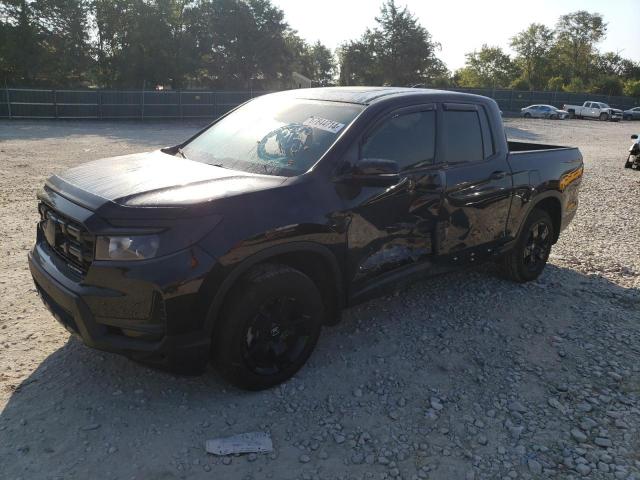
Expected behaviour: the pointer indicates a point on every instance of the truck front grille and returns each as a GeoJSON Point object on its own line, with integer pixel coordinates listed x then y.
{"type": "Point", "coordinates": [66, 237]}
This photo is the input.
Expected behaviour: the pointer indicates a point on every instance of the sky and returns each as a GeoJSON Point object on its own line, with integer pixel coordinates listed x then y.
{"type": "Point", "coordinates": [461, 26]}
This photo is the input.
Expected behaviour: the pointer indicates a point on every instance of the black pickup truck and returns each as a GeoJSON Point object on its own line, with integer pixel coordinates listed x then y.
{"type": "Point", "coordinates": [240, 243]}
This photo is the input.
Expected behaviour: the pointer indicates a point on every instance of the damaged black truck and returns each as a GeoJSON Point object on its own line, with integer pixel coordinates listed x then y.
{"type": "Point", "coordinates": [239, 244]}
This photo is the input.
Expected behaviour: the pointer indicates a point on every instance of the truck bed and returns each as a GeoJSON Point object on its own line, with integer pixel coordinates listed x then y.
{"type": "Point", "coordinates": [551, 161]}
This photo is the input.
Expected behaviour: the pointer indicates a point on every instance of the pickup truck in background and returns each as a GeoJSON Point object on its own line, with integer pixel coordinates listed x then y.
{"type": "Point", "coordinates": [598, 110]}
{"type": "Point", "coordinates": [240, 243]}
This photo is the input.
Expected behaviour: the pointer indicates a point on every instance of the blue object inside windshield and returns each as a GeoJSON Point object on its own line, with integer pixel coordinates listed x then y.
{"type": "Point", "coordinates": [273, 135]}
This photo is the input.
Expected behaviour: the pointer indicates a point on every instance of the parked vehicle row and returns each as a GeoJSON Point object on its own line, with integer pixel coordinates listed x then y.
{"type": "Point", "coordinates": [595, 110]}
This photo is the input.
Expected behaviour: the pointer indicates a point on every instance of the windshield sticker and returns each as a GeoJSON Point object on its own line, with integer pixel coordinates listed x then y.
{"type": "Point", "coordinates": [323, 124]}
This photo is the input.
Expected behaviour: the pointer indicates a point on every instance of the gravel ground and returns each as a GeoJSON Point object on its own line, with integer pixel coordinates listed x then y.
{"type": "Point", "coordinates": [461, 376]}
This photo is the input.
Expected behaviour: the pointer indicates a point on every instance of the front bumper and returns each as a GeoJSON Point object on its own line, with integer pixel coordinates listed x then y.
{"type": "Point", "coordinates": [161, 339]}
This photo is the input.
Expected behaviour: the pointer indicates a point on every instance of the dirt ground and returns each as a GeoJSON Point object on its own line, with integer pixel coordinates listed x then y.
{"type": "Point", "coordinates": [458, 377]}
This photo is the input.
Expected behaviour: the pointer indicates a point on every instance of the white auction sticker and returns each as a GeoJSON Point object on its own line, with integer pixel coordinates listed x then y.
{"type": "Point", "coordinates": [323, 124]}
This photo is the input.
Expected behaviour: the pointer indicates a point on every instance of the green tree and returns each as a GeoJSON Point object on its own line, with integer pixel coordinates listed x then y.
{"type": "Point", "coordinates": [632, 88]}
{"type": "Point", "coordinates": [555, 84]}
{"type": "Point", "coordinates": [313, 61]}
{"type": "Point", "coordinates": [323, 64]}
{"type": "Point", "coordinates": [64, 37]}
{"type": "Point", "coordinates": [398, 51]}
{"type": "Point", "coordinates": [607, 85]}
{"type": "Point", "coordinates": [576, 85]}
{"type": "Point", "coordinates": [358, 64]}
{"type": "Point", "coordinates": [533, 46]}
{"type": "Point", "coordinates": [488, 67]}
{"type": "Point", "coordinates": [577, 35]}
{"type": "Point", "coordinates": [20, 50]}
{"type": "Point", "coordinates": [611, 63]}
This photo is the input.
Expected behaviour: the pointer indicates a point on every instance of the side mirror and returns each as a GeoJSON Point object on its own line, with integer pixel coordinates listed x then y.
{"type": "Point", "coordinates": [373, 172]}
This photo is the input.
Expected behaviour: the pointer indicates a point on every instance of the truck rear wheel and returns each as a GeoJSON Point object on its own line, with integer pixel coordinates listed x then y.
{"type": "Point", "coordinates": [529, 256]}
{"type": "Point", "coordinates": [269, 327]}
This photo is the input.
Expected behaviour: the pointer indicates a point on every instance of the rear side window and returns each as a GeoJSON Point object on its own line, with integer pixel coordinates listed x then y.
{"type": "Point", "coordinates": [408, 139]}
{"type": "Point", "coordinates": [461, 136]}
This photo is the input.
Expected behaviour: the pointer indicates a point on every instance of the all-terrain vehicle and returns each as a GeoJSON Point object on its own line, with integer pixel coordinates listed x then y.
{"type": "Point", "coordinates": [633, 160]}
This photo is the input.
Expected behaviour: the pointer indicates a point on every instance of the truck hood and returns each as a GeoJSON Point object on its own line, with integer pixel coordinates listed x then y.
{"type": "Point", "coordinates": [155, 179]}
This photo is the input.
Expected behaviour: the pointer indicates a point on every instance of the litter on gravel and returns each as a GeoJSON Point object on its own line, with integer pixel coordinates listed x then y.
{"type": "Point", "coordinates": [253, 442]}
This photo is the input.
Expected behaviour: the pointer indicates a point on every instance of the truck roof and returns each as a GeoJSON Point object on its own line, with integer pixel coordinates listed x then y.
{"type": "Point", "coordinates": [369, 95]}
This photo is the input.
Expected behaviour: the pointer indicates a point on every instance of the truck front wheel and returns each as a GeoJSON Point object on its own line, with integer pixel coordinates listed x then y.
{"type": "Point", "coordinates": [604, 117]}
{"type": "Point", "coordinates": [526, 261]}
{"type": "Point", "coordinates": [269, 327]}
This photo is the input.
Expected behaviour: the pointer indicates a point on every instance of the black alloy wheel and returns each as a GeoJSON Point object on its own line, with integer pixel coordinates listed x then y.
{"type": "Point", "coordinates": [277, 336]}
{"type": "Point", "coordinates": [268, 328]}
{"type": "Point", "coordinates": [538, 246]}
{"type": "Point", "coordinates": [528, 257]}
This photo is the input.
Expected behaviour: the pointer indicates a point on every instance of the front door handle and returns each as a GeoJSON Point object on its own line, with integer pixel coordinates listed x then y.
{"type": "Point", "coordinates": [498, 175]}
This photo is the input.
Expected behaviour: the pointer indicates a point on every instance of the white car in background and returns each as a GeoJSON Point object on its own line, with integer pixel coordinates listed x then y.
{"type": "Point", "coordinates": [543, 111]}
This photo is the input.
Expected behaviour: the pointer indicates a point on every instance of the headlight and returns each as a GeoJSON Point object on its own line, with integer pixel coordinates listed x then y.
{"type": "Point", "coordinates": [139, 247]}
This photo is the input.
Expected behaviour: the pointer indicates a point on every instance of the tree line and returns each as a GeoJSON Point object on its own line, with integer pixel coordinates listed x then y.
{"type": "Point", "coordinates": [226, 44]}
{"type": "Point", "coordinates": [247, 44]}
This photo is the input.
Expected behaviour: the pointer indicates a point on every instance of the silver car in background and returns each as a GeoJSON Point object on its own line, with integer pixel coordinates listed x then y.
{"type": "Point", "coordinates": [631, 114]}
{"type": "Point", "coordinates": [543, 111]}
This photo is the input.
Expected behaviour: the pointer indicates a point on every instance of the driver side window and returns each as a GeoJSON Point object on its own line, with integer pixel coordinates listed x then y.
{"type": "Point", "coordinates": [408, 139]}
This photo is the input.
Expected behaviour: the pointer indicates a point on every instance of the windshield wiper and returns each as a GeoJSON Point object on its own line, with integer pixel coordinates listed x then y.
{"type": "Point", "coordinates": [181, 152]}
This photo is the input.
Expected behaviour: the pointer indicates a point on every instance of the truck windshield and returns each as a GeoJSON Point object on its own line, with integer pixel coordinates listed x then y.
{"type": "Point", "coordinates": [273, 135]}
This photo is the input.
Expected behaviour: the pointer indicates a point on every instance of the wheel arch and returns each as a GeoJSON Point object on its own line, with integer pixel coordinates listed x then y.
{"type": "Point", "coordinates": [553, 206]}
{"type": "Point", "coordinates": [314, 260]}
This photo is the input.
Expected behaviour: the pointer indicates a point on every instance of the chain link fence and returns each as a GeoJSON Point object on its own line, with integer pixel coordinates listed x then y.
{"type": "Point", "coordinates": [514, 100]}
{"type": "Point", "coordinates": [120, 104]}
{"type": "Point", "coordinates": [137, 104]}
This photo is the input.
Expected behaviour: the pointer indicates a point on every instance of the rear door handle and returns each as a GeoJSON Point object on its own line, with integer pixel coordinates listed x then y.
{"type": "Point", "coordinates": [498, 175]}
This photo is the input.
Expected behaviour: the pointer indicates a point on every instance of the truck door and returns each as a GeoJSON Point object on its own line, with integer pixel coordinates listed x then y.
{"type": "Point", "coordinates": [478, 182]}
{"type": "Point", "coordinates": [393, 227]}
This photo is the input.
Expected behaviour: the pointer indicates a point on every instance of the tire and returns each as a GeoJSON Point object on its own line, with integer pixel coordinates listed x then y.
{"type": "Point", "coordinates": [628, 163]}
{"type": "Point", "coordinates": [522, 264]}
{"type": "Point", "coordinates": [269, 327]}
{"type": "Point", "coordinates": [527, 115]}
{"type": "Point", "coordinates": [554, 117]}
{"type": "Point", "coordinates": [604, 117]}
